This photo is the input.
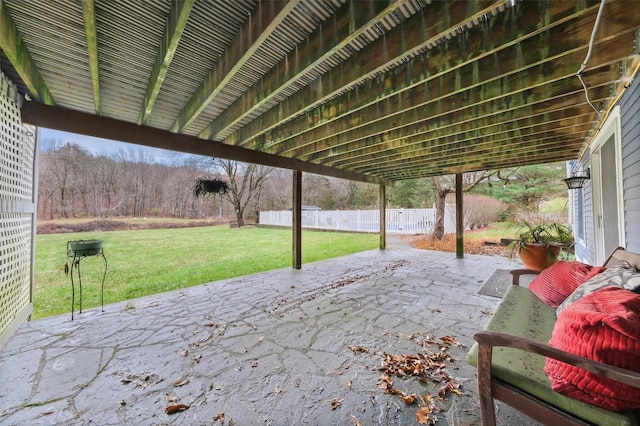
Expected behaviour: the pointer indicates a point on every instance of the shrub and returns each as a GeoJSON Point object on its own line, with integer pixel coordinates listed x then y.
{"type": "Point", "coordinates": [480, 210]}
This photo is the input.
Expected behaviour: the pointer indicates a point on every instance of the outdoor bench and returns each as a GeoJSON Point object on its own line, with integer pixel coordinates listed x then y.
{"type": "Point", "coordinates": [510, 355]}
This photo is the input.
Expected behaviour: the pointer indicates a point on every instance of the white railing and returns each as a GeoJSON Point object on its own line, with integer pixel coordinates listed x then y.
{"type": "Point", "coordinates": [404, 221]}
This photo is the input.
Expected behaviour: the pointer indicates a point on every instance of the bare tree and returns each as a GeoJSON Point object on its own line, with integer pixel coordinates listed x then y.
{"type": "Point", "coordinates": [317, 191]}
{"type": "Point", "coordinates": [245, 184]}
{"type": "Point", "coordinates": [65, 167]}
{"type": "Point", "coordinates": [444, 185]}
{"type": "Point", "coordinates": [137, 165]}
{"type": "Point", "coordinates": [277, 191]}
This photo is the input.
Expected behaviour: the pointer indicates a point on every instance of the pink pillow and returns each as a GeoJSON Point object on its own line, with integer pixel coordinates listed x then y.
{"type": "Point", "coordinates": [603, 326]}
{"type": "Point", "coordinates": [559, 280]}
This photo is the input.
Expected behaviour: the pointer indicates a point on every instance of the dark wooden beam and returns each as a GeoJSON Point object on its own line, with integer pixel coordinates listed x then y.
{"type": "Point", "coordinates": [383, 217]}
{"type": "Point", "coordinates": [459, 217]}
{"type": "Point", "coordinates": [108, 128]}
{"type": "Point", "coordinates": [13, 46]}
{"type": "Point", "coordinates": [296, 222]}
{"type": "Point", "coordinates": [263, 20]}
{"type": "Point", "coordinates": [178, 17]}
{"type": "Point", "coordinates": [89, 15]}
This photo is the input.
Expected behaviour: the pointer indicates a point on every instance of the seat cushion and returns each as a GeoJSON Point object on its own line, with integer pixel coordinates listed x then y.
{"type": "Point", "coordinates": [603, 326]}
{"type": "Point", "coordinates": [522, 313]}
{"type": "Point", "coordinates": [554, 284]}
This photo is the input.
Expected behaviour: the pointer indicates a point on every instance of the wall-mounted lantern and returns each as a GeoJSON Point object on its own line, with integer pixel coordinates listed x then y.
{"type": "Point", "coordinates": [577, 179]}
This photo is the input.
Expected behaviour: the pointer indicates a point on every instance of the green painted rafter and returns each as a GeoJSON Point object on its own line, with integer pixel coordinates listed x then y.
{"type": "Point", "coordinates": [176, 23]}
{"type": "Point", "coordinates": [397, 44]}
{"type": "Point", "coordinates": [89, 15]}
{"type": "Point", "coordinates": [350, 22]}
{"type": "Point", "coordinates": [264, 19]}
{"type": "Point", "coordinates": [296, 142]}
{"type": "Point", "coordinates": [13, 46]}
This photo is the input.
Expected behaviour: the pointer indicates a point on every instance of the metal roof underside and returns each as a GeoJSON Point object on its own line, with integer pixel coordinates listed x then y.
{"type": "Point", "coordinates": [365, 89]}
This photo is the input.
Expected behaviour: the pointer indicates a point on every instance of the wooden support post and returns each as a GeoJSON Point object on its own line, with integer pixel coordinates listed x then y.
{"type": "Point", "coordinates": [459, 218]}
{"type": "Point", "coordinates": [296, 223]}
{"type": "Point", "coordinates": [383, 217]}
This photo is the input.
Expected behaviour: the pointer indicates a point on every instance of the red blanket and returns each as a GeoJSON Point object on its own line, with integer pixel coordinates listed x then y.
{"type": "Point", "coordinates": [603, 326]}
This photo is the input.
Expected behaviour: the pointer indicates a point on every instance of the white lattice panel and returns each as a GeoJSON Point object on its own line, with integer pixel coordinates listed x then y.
{"type": "Point", "coordinates": [15, 266]}
{"type": "Point", "coordinates": [17, 150]}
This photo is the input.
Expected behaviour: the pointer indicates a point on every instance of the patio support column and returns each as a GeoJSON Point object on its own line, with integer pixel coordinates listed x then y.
{"type": "Point", "coordinates": [459, 218]}
{"type": "Point", "coordinates": [383, 217]}
{"type": "Point", "coordinates": [296, 220]}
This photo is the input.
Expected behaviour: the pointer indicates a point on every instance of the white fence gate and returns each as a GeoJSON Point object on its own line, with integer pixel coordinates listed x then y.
{"type": "Point", "coordinates": [402, 221]}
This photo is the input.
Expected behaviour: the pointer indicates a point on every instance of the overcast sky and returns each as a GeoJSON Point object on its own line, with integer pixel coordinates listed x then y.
{"type": "Point", "coordinates": [97, 146]}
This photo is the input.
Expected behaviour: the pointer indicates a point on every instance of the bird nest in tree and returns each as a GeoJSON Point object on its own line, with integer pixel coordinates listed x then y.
{"type": "Point", "coordinates": [209, 186]}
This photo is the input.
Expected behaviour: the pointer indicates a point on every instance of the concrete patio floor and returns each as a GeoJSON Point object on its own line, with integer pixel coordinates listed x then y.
{"type": "Point", "coordinates": [267, 349]}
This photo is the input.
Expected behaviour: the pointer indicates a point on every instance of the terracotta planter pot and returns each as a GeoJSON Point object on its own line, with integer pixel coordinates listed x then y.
{"type": "Point", "coordinates": [538, 256]}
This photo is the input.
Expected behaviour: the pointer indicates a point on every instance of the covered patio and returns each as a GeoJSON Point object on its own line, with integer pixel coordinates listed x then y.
{"type": "Point", "coordinates": [371, 90]}
{"type": "Point", "coordinates": [278, 348]}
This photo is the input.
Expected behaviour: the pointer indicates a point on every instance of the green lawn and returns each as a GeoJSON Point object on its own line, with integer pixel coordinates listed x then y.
{"type": "Point", "coordinates": [144, 262]}
{"type": "Point", "coordinates": [494, 232]}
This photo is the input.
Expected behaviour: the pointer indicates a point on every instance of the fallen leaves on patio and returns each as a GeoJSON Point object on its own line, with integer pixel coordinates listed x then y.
{"type": "Point", "coordinates": [140, 380]}
{"type": "Point", "coordinates": [335, 403]}
{"type": "Point", "coordinates": [172, 409]}
{"type": "Point", "coordinates": [181, 382]}
{"type": "Point", "coordinates": [429, 367]}
{"type": "Point", "coordinates": [356, 348]}
{"type": "Point", "coordinates": [448, 244]}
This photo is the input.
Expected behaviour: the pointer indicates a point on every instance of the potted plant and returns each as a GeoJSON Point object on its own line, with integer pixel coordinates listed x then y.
{"type": "Point", "coordinates": [539, 246]}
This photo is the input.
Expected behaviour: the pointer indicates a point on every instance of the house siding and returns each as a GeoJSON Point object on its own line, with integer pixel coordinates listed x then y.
{"type": "Point", "coordinates": [584, 249]}
{"type": "Point", "coordinates": [630, 144]}
{"type": "Point", "coordinates": [630, 132]}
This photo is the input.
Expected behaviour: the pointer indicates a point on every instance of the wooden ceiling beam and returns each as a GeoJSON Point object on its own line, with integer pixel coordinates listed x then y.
{"type": "Point", "coordinates": [436, 124]}
{"type": "Point", "coordinates": [477, 83]}
{"type": "Point", "coordinates": [82, 123]}
{"type": "Point", "coordinates": [495, 32]}
{"type": "Point", "coordinates": [487, 116]}
{"type": "Point", "coordinates": [89, 15]}
{"type": "Point", "coordinates": [422, 31]}
{"type": "Point", "coordinates": [177, 21]}
{"type": "Point", "coordinates": [349, 22]}
{"type": "Point", "coordinates": [558, 150]}
{"type": "Point", "coordinates": [490, 165]}
{"type": "Point", "coordinates": [487, 148]}
{"type": "Point", "coordinates": [578, 126]}
{"type": "Point", "coordinates": [433, 129]}
{"type": "Point", "coordinates": [470, 152]}
{"type": "Point", "coordinates": [423, 150]}
{"type": "Point", "coordinates": [16, 51]}
{"type": "Point", "coordinates": [264, 19]}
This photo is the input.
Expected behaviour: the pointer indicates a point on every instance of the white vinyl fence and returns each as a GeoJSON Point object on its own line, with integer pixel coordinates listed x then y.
{"type": "Point", "coordinates": [402, 221]}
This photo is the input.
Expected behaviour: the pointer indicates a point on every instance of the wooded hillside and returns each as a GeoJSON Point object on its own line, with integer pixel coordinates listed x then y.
{"type": "Point", "coordinates": [75, 183]}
